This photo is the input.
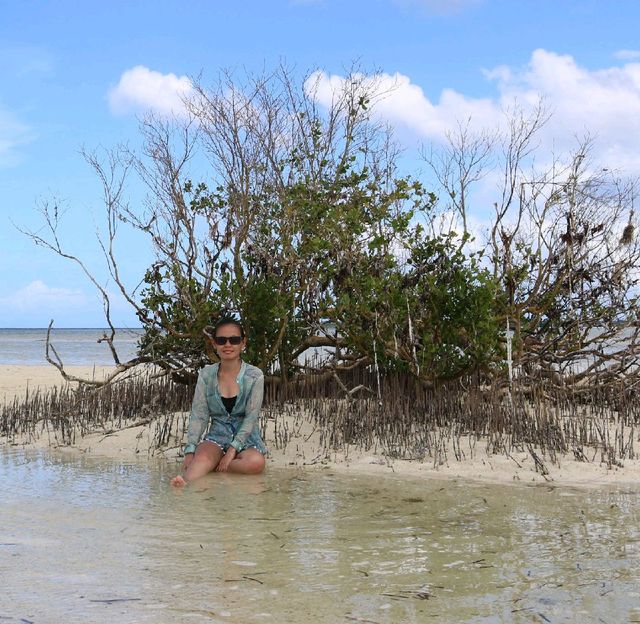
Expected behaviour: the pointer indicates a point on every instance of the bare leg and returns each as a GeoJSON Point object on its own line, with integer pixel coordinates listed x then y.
{"type": "Point", "coordinates": [249, 461]}
{"type": "Point", "coordinates": [206, 458]}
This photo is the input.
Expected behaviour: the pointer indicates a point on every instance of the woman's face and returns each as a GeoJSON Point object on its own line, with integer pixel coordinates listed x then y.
{"type": "Point", "coordinates": [229, 334]}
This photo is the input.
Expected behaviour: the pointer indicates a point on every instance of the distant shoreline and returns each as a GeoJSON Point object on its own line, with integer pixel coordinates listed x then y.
{"type": "Point", "coordinates": [76, 346]}
{"type": "Point", "coordinates": [56, 328]}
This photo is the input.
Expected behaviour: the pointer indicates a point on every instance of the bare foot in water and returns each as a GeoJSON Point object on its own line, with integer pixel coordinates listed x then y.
{"type": "Point", "coordinates": [178, 481]}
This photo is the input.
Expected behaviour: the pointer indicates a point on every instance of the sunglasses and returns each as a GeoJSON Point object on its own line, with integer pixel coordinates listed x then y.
{"type": "Point", "coordinates": [222, 340]}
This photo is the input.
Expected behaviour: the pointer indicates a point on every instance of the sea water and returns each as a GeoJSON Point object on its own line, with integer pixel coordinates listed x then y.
{"type": "Point", "coordinates": [89, 540]}
{"type": "Point", "coordinates": [75, 346]}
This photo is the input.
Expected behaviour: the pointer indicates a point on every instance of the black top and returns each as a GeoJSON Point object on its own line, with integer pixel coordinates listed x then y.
{"type": "Point", "coordinates": [229, 402]}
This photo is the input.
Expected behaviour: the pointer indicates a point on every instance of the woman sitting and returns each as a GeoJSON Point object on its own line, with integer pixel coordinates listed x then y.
{"type": "Point", "coordinates": [227, 402]}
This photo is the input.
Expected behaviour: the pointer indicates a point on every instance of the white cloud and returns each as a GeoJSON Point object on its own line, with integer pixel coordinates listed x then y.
{"type": "Point", "coordinates": [141, 89]}
{"type": "Point", "coordinates": [627, 55]}
{"type": "Point", "coordinates": [406, 106]}
{"type": "Point", "coordinates": [604, 103]}
{"type": "Point", "coordinates": [20, 60]}
{"type": "Point", "coordinates": [38, 296]}
{"type": "Point", "coordinates": [13, 135]}
{"type": "Point", "coordinates": [35, 304]}
{"type": "Point", "coordinates": [437, 6]}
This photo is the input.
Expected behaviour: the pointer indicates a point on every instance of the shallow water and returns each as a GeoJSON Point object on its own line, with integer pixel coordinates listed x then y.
{"type": "Point", "coordinates": [83, 540]}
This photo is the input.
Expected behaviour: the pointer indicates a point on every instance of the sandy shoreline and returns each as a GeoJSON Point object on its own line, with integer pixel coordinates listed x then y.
{"type": "Point", "coordinates": [305, 451]}
{"type": "Point", "coordinates": [16, 380]}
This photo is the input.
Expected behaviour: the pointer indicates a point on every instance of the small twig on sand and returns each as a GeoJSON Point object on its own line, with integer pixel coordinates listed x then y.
{"type": "Point", "coordinates": [114, 600]}
{"type": "Point", "coordinates": [139, 423]}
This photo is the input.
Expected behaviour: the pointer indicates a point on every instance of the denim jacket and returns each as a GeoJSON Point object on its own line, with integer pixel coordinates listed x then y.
{"type": "Point", "coordinates": [207, 405]}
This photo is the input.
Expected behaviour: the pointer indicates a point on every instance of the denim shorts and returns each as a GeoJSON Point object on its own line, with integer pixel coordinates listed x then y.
{"type": "Point", "coordinates": [222, 433]}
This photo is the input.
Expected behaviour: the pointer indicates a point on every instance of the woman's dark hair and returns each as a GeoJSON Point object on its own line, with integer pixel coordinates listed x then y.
{"type": "Point", "coordinates": [227, 320]}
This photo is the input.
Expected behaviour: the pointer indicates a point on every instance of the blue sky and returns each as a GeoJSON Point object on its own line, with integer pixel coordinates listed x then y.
{"type": "Point", "coordinates": [78, 74]}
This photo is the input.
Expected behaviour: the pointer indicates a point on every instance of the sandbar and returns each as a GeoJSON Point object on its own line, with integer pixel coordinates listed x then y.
{"type": "Point", "coordinates": [305, 451]}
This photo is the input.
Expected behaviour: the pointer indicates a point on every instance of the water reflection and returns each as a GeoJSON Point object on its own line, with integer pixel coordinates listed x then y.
{"type": "Point", "coordinates": [83, 540]}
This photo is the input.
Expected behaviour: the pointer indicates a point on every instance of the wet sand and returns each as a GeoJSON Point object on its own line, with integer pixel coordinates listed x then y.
{"type": "Point", "coordinates": [304, 448]}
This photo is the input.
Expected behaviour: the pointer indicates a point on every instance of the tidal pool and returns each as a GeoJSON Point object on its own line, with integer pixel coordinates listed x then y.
{"type": "Point", "coordinates": [84, 540]}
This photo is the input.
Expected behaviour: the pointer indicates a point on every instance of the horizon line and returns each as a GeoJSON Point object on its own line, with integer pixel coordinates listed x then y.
{"type": "Point", "coordinates": [57, 328]}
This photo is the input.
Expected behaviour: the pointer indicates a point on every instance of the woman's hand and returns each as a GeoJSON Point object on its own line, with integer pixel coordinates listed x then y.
{"type": "Point", "coordinates": [227, 458]}
{"type": "Point", "coordinates": [188, 458]}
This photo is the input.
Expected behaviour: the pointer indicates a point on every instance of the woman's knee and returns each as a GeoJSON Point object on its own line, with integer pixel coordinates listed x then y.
{"type": "Point", "coordinates": [253, 462]}
{"type": "Point", "coordinates": [207, 453]}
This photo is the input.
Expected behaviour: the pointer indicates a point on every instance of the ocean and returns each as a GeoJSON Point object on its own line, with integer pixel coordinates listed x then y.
{"type": "Point", "coordinates": [75, 346]}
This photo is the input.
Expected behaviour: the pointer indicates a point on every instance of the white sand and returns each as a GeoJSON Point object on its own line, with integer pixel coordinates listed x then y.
{"type": "Point", "coordinates": [16, 380]}
{"type": "Point", "coordinates": [305, 451]}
